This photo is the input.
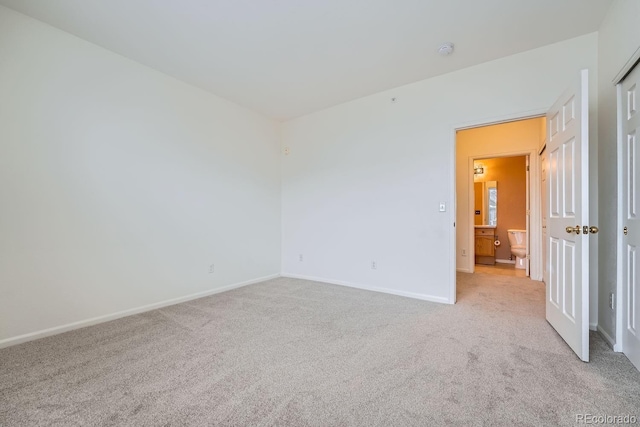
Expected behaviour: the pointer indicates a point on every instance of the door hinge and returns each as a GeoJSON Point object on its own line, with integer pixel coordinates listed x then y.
{"type": "Point", "coordinates": [527, 257]}
{"type": "Point", "coordinates": [527, 168]}
{"type": "Point", "coordinates": [612, 301]}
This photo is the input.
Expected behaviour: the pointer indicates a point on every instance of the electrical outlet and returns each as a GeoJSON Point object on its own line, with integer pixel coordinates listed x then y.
{"type": "Point", "coordinates": [464, 252]}
{"type": "Point", "coordinates": [374, 265]}
{"type": "Point", "coordinates": [612, 301]}
{"type": "Point", "coordinates": [300, 258]}
{"type": "Point", "coordinates": [212, 269]}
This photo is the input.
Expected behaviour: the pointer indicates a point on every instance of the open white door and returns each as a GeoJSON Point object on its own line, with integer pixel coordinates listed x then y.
{"type": "Point", "coordinates": [629, 104]}
{"type": "Point", "coordinates": [567, 291]}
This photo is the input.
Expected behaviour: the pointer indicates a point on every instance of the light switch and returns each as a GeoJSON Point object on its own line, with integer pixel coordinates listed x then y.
{"type": "Point", "coordinates": [443, 207]}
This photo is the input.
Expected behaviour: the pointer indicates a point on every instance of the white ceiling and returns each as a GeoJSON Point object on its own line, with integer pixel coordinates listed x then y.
{"type": "Point", "coordinates": [287, 58]}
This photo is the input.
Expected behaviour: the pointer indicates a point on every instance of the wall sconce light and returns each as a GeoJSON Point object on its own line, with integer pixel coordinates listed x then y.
{"type": "Point", "coordinates": [478, 170]}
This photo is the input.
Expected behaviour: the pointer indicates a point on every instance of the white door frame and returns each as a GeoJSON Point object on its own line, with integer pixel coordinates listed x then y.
{"type": "Point", "coordinates": [617, 346]}
{"type": "Point", "coordinates": [543, 157]}
{"type": "Point", "coordinates": [532, 205]}
{"type": "Point", "coordinates": [535, 220]}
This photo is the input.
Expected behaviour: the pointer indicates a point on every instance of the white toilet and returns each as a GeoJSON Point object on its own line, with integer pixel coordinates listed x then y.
{"type": "Point", "coordinates": [518, 243]}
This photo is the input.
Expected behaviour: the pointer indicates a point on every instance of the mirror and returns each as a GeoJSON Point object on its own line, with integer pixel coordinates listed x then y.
{"type": "Point", "coordinates": [486, 202]}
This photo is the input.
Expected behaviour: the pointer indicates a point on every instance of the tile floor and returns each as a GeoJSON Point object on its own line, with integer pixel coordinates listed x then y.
{"type": "Point", "coordinates": [501, 270]}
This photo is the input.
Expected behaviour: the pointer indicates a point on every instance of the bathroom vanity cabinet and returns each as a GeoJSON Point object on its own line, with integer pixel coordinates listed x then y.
{"type": "Point", "coordinates": [485, 249]}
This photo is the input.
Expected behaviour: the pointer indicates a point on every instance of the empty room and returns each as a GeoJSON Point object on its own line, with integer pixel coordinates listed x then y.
{"type": "Point", "coordinates": [383, 213]}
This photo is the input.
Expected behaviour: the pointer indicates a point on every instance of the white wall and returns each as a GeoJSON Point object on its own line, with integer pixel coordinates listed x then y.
{"type": "Point", "coordinates": [120, 185]}
{"type": "Point", "coordinates": [364, 179]}
{"type": "Point", "coordinates": [618, 39]}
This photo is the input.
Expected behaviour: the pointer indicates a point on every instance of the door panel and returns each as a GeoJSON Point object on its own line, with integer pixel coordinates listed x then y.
{"type": "Point", "coordinates": [552, 286]}
{"type": "Point", "coordinates": [485, 246]}
{"type": "Point", "coordinates": [567, 293]}
{"type": "Point", "coordinates": [630, 129]}
{"type": "Point", "coordinates": [569, 309]}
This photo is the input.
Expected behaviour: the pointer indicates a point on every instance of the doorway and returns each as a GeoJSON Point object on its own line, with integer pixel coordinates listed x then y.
{"type": "Point", "coordinates": [569, 271]}
{"type": "Point", "coordinates": [501, 200]}
{"type": "Point", "coordinates": [628, 233]}
{"type": "Point", "coordinates": [502, 158]}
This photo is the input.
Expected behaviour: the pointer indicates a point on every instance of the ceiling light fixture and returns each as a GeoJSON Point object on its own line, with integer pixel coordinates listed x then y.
{"type": "Point", "coordinates": [446, 49]}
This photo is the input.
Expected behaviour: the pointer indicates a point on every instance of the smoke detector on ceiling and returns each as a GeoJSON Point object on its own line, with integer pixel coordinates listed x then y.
{"type": "Point", "coordinates": [446, 49]}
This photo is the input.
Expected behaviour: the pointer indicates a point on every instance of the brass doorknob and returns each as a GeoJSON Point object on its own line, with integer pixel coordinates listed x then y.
{"type": "Point", "coordinates": [593, 229]}
{"type": "Point", "coordinates": [575, 229]}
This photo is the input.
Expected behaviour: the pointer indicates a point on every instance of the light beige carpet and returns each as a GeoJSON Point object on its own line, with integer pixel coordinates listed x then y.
{"type": "Point", "coordinates": [293, 352]}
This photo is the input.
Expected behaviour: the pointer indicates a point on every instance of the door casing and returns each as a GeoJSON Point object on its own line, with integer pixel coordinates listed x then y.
{"type": "Point", "coordinates": [535, 221]}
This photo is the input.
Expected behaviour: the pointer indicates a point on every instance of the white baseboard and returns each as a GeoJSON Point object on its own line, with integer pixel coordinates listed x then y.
{"type": "Point", "coordinates": [593, 326]}
{"type": "Point", "coordinates": [7, 342]}
{"type": "Point", "coordinates": [607, 337]}
{"type": "Point", "coordinates": [505, 261]}
{"type": "Point", "coordinates": [370, 288]}
{"type": "Point", "coordinates": [463, 270]}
